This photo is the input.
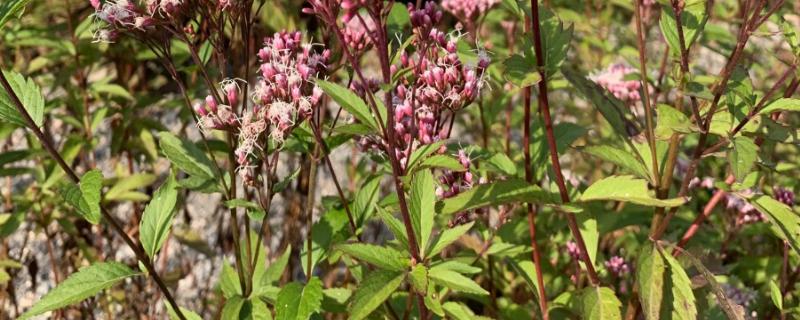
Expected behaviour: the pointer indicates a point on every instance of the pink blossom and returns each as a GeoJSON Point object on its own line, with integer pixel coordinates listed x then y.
{"type": "Point", "coordinates": [613, 80]}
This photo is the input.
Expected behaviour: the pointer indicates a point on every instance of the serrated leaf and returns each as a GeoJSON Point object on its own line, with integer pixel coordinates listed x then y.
{"type": "Point", "coordinates": [186, 156]}
{"type": "Point", "coordinates": [613, 110]}
{"type": "Point", "coordinates": [229, 281]}
{"type": "Point", "coordinates": [527, 270]}
{"type": "Point", "coordinates": [448, 236]}
{"type": "Point", "coordinates": [650, 269]}
{"type": "Point", "coordinates": [502, 163]}
{"type": "Point", "coordinates": [157, 217]}
{"type": "Point", "coordinates": [683, 302]}
{"type": "Point", "coordinates": [599, 303]}
{"type": "Point", "coordinates": [86, 196]}
{"type": "Point", "coordinates": [376, 287]}
{"type": "Point", "coordinates": [381, 257]}
{"type": "Point", "coordinates": [455, 281]}
{"type": "Point", "coordinates": [627, 189]}
{"type": "Point", "coordinates": [494, 194]}
{"type": "Point", "coordinates": [28, 93]}
{"type": "Point", "coordinates": [85, 283]}
{"type": "Point", "coordinates": [350, 102]}
{"type": "Point", "coordinates": [421, 153]}
{"type": "Point", "coordinates": [421, 207]}
{"type": "Point", "coordinates": [232, 308]}
{"type": "Point", "coordinates": [299, 302]}
{"type": "Point", "coordinates": [458, 311]}
{"type": "Point", "coordinates": [742, 156]}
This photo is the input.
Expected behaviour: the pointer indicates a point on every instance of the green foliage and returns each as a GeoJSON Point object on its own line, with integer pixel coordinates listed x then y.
{"type": "Point", "coordinates": [627, 189]}
{"type": "Point", "coordinates": [81, 285]}
{"type": "Point", "coordinates": [85, 197]}
{"type": "Point", "coordinates": [157, 217]}
{"type": "Point", "coordinates": [376, 287]}
{"type": "Point", "coordinates": [297, 301]}
{"type": "Point", "coordinates": [25, 89]}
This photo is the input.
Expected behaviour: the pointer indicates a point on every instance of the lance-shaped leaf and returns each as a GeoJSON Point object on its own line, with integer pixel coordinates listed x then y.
{"type": "Point", "coordinates": [448, 236]}
{"type": "Point", "coordinates": [157, 217]}
{"type": "Point", "coordinates": [85, 283]}
{"type": "Point", "coordinates": [783, 104]}
{"type": "Point", "coordinates": [494, 194]}
{"type": "Point", "coordinates": [373, 291]}
{"type": "Point", "coordinates": [693, 20]}
{"type": "Point", "coordinates": [683, 302]}
{"type": "Point", "coordinates": [622, 158]}
{"type": "Point", "coordinates": [455, 281]}
{"type": "Point", "coordinates": [381, 257]}
{"type": "Point", "coordinates": [650, 277]}
{"type": "Point", "coordinates": [421, 208]}
{"type": "Point", "coordinates": [785, 222]}
{"type": "Point", "coordinates": [350, 102]}
{"type": "Point", "coordinates": [627, 189]}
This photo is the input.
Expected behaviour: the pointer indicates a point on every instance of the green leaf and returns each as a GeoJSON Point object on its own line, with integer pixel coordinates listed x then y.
{"type": "Point", "coordinates": [776, 295]}
{"type": "Point", "coordinates": [555, 40]}
{"type": "Point", "coordinates": [650, 269]}
{"type": "Point", "coordinates": [448, 236]}
{"type": "Point", "coordinates": [186, 156]}
{"type": "Point", "coordinates": [693, 20]}
{"type": "Point", "coordinates": [28, 93]}
{"type": "Point", "coordinates": [350, 102]}
{"type": "Point", "coordinates": [527, 270]}
{"type": "Point", "coordinates": [119, 190]}
{"type": "Point", "coordinates": [455, 281]}
{"type": "Point", "coordinates": [189, 314]}
{"type": "Point", "coordinates": [418, 277]}
{"type": "Point", "coordinates": [458, 311]}
{"type": "Point", "coordinates": [86, 196]}
{"type": "Point", "coordinates": [442, 161]}
{"type": "Point", "coordinates": [493, 194]}
{"type": "Point", "coordinates": [366, 198]}
{"type": "Point", "coordinates": [298, 302]}
{"type": "Point", "coordinates": [786, 222]}
{"type": "Point", "coordinates": [502, 163]}
{"type": "Point", "coordinates": [613, 110]}
{"type": "Point", "coordinates": [11, 9]}
{"type": "Point", "coordinates": [521, 71]}
{"type": "Point", "coordinates": [421, 208]}
{"type": "Point", "coordinates": [229, 281]}
{"type": "Point", "coordinates": [85, 283]}
{"type": "Point", "coordinates": [671, 121]}
{"type": "Point", "coordinates": [373, 291]}
{"type": "Point", "coordinates": [381, 257]}
{"type": "Point", "coordinates": [395, 226]}
{"type": "Point", "coordinates": [111, 89]}
{"type": "Point", "coordinates": [276, 269]}
{"type": "Point", "coordinates": [233, 307]}
{"type": "Point", "coordinates": [783, 104]}
{"type": "Point", "coordinates": [599, 303]}
{"type": "Point", "coordinates": [742, 156]}
{"type": "Point", "coordinates": [626, 189]}
{"type": "Point", "coordinates": [157, 217]}
{"type": "Point", "coordinates": [421, 153]}
{"type": "Point", "coordinates": [622, 158]}
{"type": "Point", "coordinates": [683, 303]}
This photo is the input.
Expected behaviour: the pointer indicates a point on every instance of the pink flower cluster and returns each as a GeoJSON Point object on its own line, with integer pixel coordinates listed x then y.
{"type": "Point", "coordinates": [784, 195]}
{"type": "Point", "coordinates": [455, 181]}
{"type": "Point", "coordinates": [467, 10]}
{"type": "Point", "coordinates": [745, 212]}
{"type": "Point", "coordinates": [357, 33]}
{"type": "Point", "coordinates": [613, 80]}
{"type": "Point", "coordinates": [617, 266]}
{"type": "Point", "coordinates": [128, 15]}
{"type": "Point", "coordinates": [286, 94]}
